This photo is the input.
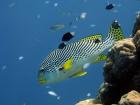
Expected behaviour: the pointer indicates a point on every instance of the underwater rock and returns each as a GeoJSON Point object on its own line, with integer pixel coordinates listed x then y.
{"type": "Point", "coordinates": [89, 102]}
{"type": "Point", "coordinates": [136, 24]}
{"type": "Point", "coordinates": [137, 40]}
{"type": "Point", "coordinates": [136, 78]}
{"type": "Point", "coordinates": [121, 59]}
{"type": "Point", "coordinates": [122, 70]}
{"type": "Point", "coordinates": [131, 98]}
{"type": "Point", "coordinates": [108, 94]}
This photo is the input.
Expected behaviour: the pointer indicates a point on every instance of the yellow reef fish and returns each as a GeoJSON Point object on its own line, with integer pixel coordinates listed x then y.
{"type": "Point", "coordinates": [70, 60]}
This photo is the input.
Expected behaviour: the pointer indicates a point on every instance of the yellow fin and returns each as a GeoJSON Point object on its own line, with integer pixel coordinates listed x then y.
{"type": "Point", "coordinates": [100, 58]}
{"type": "Point", "coordinates": [42, 80]}
{"type": "Point", "coordinates": [79, 74]}
{"type": "Point", "coordinates": [68, 64]}
{"type": "Point", "coordinates": [93, 37]}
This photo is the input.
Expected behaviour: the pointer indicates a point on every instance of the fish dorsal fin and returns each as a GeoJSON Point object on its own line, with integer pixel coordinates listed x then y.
{"type": "Point", "coordinates": [100, 58]}
{"type": "Point", "coordinates": [96, 38]}
{"type": "Point", "coordinates": [68, 64]}
{"type": "Point", "coordinates": [115, 31]}
{"type": "Point", "coordinates": [79, 74]}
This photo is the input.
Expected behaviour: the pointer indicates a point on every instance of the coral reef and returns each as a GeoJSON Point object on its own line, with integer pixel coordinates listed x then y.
{"type": "Point", "coordinates": [132, 98]}
{"type": "Point", "coordinates": [136, 24]}
{"type": "Point", "coordinates": [121, 72]}
{"type": "Point", "coordinates": [89, 102]}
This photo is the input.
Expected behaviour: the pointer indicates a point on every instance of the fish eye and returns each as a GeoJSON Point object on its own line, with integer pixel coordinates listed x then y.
{"type": "Point", "coordinates": [61, 68]}
{"type": "Point", "coordinates": [97, 40]}
{"type": "Point", "coordinates": [42, 70]}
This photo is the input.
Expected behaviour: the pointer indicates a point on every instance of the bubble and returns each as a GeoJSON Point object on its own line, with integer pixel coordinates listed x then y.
{"type": "Point", "coordinates": [47, 2]}
{"type": "Point", "coordinates": [52, 93]}
{"type": "Point", "coordinates": [20, 58]}
{"type": "Point", "coordinates": [11, 5]}
{"type": "Point", "coordinates": [83, 15]}
{"type": "Point", "coordinates": [55, 4]}
{"type": "Point", "coordinates": [88, 94]}
{"type": "Point", "coordinates": [4, 67]}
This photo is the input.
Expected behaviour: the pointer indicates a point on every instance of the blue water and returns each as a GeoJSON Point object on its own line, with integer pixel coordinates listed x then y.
{"type": "Point", "coordinates": [25, 33]}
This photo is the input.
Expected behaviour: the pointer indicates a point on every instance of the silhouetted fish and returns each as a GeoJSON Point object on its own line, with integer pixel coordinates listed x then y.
{"type": "Point", "coordinates": [109, 6]}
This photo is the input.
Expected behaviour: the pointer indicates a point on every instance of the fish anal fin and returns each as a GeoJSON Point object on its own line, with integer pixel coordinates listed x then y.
{"type": "Point", "coordinates": [79, 74]}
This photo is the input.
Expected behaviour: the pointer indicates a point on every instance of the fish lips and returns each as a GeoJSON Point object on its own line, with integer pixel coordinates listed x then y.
{"type": "Point", "coordinates": [41, 77]}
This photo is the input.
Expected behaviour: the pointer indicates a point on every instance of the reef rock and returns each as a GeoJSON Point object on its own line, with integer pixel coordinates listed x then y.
{"type": "Point", "coordinates": [132, 98]}
{"type": "Point", "coordinates": [122, 71]}
{"type": "Point", "coordinates": [136, 24]}
{"type": "Point", "coordinates": [119, 71]}
{"type": "Point", "coordinates": [137, 43]}
{"type": "Point", "coordinates": [89, 102]}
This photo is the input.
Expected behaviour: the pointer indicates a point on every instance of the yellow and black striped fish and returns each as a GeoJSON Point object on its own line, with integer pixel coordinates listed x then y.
{"type": "Point", "coordinates": [70, 60]}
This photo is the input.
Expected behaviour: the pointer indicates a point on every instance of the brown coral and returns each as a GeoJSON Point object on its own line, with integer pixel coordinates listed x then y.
{"type": "Point", "coordinates": [122, 70]}
{"type": "Point", "coordinates": [136, 24]}
{"type": "Point", "coordinates": [89, 102]}
{"type": "Point", "coordinates": [131, 98]}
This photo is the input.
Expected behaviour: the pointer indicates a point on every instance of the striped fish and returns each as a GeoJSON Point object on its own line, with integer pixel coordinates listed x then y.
{"type": "Point", "coordinates": [71, 60]}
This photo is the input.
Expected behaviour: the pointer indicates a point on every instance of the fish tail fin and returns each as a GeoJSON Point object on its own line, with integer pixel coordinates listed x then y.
{"type": "Point", "coordinates": [115, 31]}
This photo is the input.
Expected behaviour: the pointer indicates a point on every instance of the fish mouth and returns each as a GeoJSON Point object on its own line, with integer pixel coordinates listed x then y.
{"type": "Point", "coordinates": [42, 81]}
{"type": "Point", "coordinates": [41, 77]}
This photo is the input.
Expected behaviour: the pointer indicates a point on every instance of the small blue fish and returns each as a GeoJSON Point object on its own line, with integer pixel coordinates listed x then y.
{"type": "Point", "coordinates": [71, 60]}
{"type": "Point", "coordinates": [57, 27]}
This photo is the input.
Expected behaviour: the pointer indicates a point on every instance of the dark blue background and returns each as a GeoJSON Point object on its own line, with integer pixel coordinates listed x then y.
{"type": "Point", "coordinates": [23, 34]}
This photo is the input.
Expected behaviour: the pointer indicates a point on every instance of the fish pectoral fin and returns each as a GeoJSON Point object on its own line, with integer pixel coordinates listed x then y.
{"type": "Point", "coordinates": [78, 74]}
{"type": "Point", "coordinates": [100, 58]}
{"type": "Point", "coordinates": [68, 64]}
